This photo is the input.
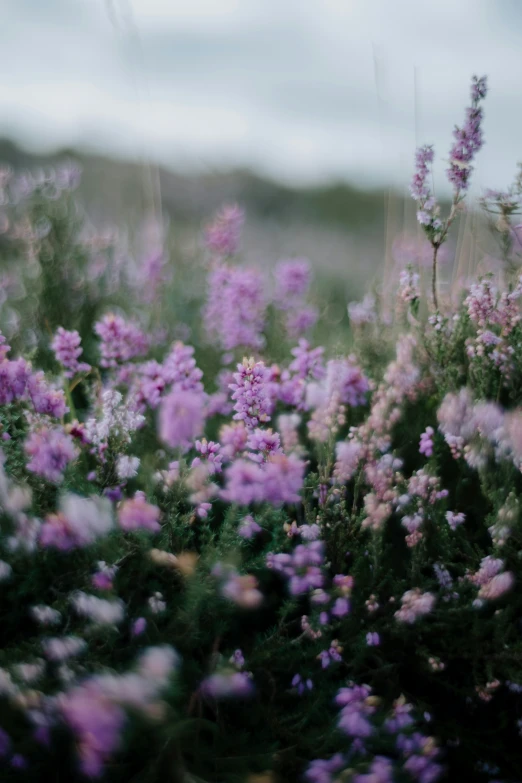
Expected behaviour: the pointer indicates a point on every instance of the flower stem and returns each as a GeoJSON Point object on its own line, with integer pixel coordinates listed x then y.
{"type": "Point", "coordinates": [434, 277]}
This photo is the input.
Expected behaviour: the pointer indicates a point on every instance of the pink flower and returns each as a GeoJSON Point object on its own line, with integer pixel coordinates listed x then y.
{"type": "Point", "coordinates": [136, 514]}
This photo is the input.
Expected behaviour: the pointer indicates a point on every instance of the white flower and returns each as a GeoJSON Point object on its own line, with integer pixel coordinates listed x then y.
{"type": "Point", "coordinates": [100, 611]}
{"type": "Point", "coordinates": [45, 615]}
{"type": "Point", "coordinates": [127, 467]}
{"type": "Point", "coordinates": [89, 518]}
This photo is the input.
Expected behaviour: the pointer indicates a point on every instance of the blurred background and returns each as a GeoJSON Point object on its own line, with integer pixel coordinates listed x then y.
{"type": "Point", "coordinates": [305, 111]}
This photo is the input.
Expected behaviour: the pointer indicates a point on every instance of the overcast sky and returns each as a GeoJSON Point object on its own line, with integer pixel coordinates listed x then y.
{"type": "Point", "coordinates": [301, 90]}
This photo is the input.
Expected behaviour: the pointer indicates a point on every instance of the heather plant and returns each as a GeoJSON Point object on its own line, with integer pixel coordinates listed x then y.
{"type": "Point", "coordinates": [228, 554]}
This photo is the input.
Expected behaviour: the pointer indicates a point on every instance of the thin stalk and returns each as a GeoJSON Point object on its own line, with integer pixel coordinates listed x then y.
{"type": "Point", "coordinates": [434, 277]}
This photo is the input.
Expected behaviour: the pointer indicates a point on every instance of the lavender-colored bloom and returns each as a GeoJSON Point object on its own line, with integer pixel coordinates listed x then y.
{"type": "Point", "coordinates": [348, 456]}
{"type": "Point", "coordinates": [308, 362]}
{"type": "Point", "coordinates": [242, 590]}
{"type": "Point", "coordinates": [180, 370]}
{"type": "Point", "coordinates": [356, 710]}
{"type": "Point", "coordinates": [67, 349]}
{"type": "Point", "coordinates": [248, 527]}
{"type": "Point", "coordinates": [102, 579]}
{"type": "Point", "coordinates": [346, 377]}
{"type": "Point", "coordinates": [222, 235]}
{"type": "Point", "coordinates": [138, 626]}
{"type": "Point", "coordinates": [234, 313]}
{"type": "Point", "coordinates": [60, 648]}
{"type": "Point", "coordinates": [121, 341]}
{"type": "Point", "coordinates": [426, 442]}
{"type": "Point", "coordinates": [341, 607]}
{"type": "Point", "coordinates": [443, 576]}
{"type": "Point", "coordinates": [372, 639]}
{"type": "Point", "coordinates": [78, 523]}
{"type": "Point", "coordinates": [44, 398]}
{"type": "Point", "coordinates": [50, 451]}
{"type": "Point", "coordinates": [302, 568]}
{"type": "Point", "coordinates": [210, 456]}
{"type": "Point", "coordinates": [228, 685]}
{"type": "Point", "coordinates": [282, 479]}
{"type": "Point", "coordinates": [300, 320]}
{"type": "Point", "coordinates": [380, 771]}
{"type": "Point", "coordinates": [323, 770]}
{"type": "Point", "coordinates": [137, 514]}
{"type": "Point", "coordinates": [309, 532]}
{"type": "Point", "coordinates": [250, 393]}
{"type": "Point", "coordinates": [361, 313]}
{"type": "Point", "coordinates": [264, 443]}
{"type": "Point", "coordinates": [181, 418]}
{"type": "Point", "coordinates": [237, 659]}
{"type": "Point", "coordinates": [400, 718]}
{"type": "Point", "coordinates": [301, 685]}
{"type": "Point", "coordinates": [420, 189]}
{"type": "Point", "coordinates": [114, 494]}
{"type": "Point", "coordinates": [415, 604]}
{"type": "Point", "coordinates": [14, 377]}
{"type": "Point", "coordinates": [277, 481]}
{"type": "Point", "coordinates": [468, 139]}
{"type": "Point", "coordinates": [96, 723]}
{"type": "Point", "coordinates": [233, 438]}
{"type": "Point", "coordinates": [244, 483]}
{"type": "Point", "coordinates": [293, 279]}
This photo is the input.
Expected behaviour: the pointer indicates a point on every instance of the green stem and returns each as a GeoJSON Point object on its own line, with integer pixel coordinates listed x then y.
{"type": "Point", "coordinates": [70, 403]}
{"type": "Point", "coordinates": [434, 277]}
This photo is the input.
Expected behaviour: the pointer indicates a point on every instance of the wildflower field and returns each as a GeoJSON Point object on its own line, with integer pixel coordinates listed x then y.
{"type": "Point", "coordinates": [235, 546]}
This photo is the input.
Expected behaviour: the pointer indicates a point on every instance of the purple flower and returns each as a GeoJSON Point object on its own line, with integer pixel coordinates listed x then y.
{"type": "Point", "coordinates": [14, 377]}
{"type": "Point", "coordinates": [265, 443]}
{"type": "Point", "coordinates": [227, 685]}
{"type": "Point", "coordinates": [323, 770]}
{"type": "Point", "coordinates": [250, 393]}
{"type": "Point", "coordinates": [234, 313]}
{"type": "Point", "coordinates": [223, 234]}
{"type": "Point", "coordinates": [248, 527]}
{"type": "Point", "coordinates": [50, 451]}
{"type": "Point", "coordinates": [308, 362]}
{"type": "Point", "coordinates": [121, 341]}
{"type": "Point", "coordinates": [44, 398]}
{"type": "Point", "coordinates": [138, 626]}
{"type": "Point", "coordinates": [426, 442]}
{"type": "Point", "coordinates": [468, 139]}
{"type": "Point", "coordinates": [66, 347]}
{"type": "Point", "coordinates": [300, 320]}
{"type": "Point", "coordinates": [137, 514]}
{"type": "Point", "coordinates": [96, 723]}
{"type": "Point", "coordinates": [181, 418]}
{"type": "Point", "coordinates": [277, 481]}
{"type": "Point", "coordinates": [301, 685]}
{"type": "Point", "coordinates": [237, 659]}
{"type": "Point", "coordinates": [341, 607]}
{"type": "Point", "coordinates": [420, 189]}
{"type": "Point", "coordinates": [302, 568]}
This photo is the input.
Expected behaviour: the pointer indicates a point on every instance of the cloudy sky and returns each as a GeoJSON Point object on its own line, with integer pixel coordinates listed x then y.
{"type": "Point", "coordinates": [300, 90]}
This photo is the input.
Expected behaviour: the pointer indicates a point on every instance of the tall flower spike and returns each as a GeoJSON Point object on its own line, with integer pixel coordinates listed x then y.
{"type": "Point", "coordinates": [468, 141]}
